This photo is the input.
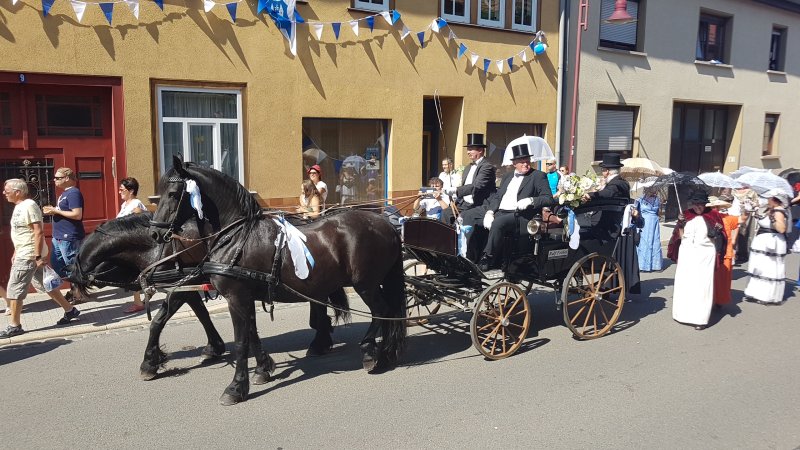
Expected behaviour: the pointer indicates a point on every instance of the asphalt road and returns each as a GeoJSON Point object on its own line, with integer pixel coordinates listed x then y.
{"type": "Point", "coordinates": [651, 384]}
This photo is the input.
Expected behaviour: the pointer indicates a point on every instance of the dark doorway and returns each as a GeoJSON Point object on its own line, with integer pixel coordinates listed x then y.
{"type": "Point", "coordinates": [431, 134]}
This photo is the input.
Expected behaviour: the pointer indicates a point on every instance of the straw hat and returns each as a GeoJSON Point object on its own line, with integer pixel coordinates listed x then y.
{"type": "Point", "coordinates": [714, 202]}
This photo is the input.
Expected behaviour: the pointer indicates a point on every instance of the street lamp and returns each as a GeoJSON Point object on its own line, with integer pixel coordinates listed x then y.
{"type": "Point", "coordinates": [619, 16]}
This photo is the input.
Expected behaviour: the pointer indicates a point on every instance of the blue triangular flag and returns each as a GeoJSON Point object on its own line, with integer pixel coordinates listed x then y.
{"type": "Point", "coordinates": [262, 5]}
{"type": "Point", "coordinates": [486, 63]}
{"type": "Point", "coordinates": [395, 16]}
{"type": "Point", "coordinates": [298, 18]}
{"type": "Point", "coordinates": [511, 63]}
{"type": "Point", "coordinates": [336, 27]}
{"type": "Point", "coordinates": [160, 4]}
{"type": "Point", "coordinates": [421, 37]}
{"type": "Point", "coordinates": [108, 9]}
{"type": "Point", "coordinates": [371, 22]}
{"type": "Point", "coordinates": [46, 5]}
{"type": "Point", "coordinates": [441, 22]}
{"type": "Point", "coordinates": [232, 10]}
{"type": "Point", "coordinates": [532, 44]}
{"type": "Point", "coordinates": [461, 50]}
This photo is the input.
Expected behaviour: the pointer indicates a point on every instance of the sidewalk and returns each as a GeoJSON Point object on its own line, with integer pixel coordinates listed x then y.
{"type": "Point", "coordinates": [102, 313]}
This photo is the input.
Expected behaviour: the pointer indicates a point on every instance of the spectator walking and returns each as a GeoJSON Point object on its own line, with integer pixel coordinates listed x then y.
{"type": "Point", "coordinates": [450, 178]}
{"type": "Point", "coordinates": [649, 249]}
{"type": "Point", "coordinates": [767, 267]}
{"type": "Point", "coordinates": [128, 190]}
{"type": "Point", "coordinates": [723, 275]}
{"type": "Point", "coordinates": [67, 215]}
{"type": "Point", "coordinates": [693, 292]}
{"type": "Point", "coordinates": [28, 262]}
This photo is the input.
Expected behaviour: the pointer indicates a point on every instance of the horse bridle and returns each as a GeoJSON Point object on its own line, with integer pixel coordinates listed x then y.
{"type": "Point", "coordinates": [169, 225]}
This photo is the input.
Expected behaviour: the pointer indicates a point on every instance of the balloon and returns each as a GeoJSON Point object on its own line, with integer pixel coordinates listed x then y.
{"type": "Point", "coordinates": [539, 48]}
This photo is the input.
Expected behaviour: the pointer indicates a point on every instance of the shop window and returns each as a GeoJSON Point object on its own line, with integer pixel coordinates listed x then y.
{"type": "Point", "coordinates": [455, 10]}
{"type": "Point", "coordinates": [614, 131]}
{"type": "Point", "coordinates": [499, 134]}
{"type": "Point", "coordinates": [69, 115]}
{"type": "Point", "coordinates": [492, 13]}
{"type": "Point", "coordinates": [622, 36]}
{"type": "Point", "coordinates": [352, 156]}
{"type": "Point", "coordinates": [712, 39]}
{"type": "Point", "coordinates": [203, 126]}
{"type": "Point", "coordinates": [777, 51]}
{"type": "Point", "coordinates": [5, 114]}
{"type": "Point", "coordinates": [770, 147]}
{"type": "Point", "coordinates": [372, 5]}
{"type": "Point", "coordinates": [525, 15]}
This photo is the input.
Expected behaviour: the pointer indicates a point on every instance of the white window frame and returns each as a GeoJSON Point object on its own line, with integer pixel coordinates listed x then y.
{"type": "Point", "coordinates": [186, 121]}
{"type": "Point", "coordinates": [493, 23]}
{"type": "Point", "coordinates": [534, 17]}
{"type": "Point", "coordinates": [368, 5]}
{"type": "Point", "coordinates": [454, 18]}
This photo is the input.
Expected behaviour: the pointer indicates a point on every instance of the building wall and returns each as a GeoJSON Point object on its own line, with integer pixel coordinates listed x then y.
{"type": "Point", "coordinates": [665, 72]}
{"type": "Point", "coordinates": [373, 76]}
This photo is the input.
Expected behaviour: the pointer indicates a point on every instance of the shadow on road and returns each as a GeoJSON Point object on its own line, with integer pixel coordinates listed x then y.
{"type": "Point", "coordinates": [13, 353]}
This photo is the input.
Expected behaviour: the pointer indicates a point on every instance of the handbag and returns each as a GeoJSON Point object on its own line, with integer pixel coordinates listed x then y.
{"type": "Point", "coordinates": [674, 245]}
{"type": "Point", "coordinates": [50, 280]}
{"type": "Point", "coordinates": [718, 238]}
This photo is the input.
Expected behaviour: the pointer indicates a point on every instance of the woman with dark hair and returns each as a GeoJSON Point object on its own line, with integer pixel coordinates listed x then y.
{"type": "Point", "coordinates": [766, 268]}
{"type": "Point", "coordinates": [310, 201]}
{"type": "Point", "coordinates": [694, 275]}
{"type": "Point", "coordinates": [128, 189]}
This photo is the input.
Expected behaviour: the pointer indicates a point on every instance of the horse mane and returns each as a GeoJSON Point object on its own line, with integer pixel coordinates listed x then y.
{"type": "Point", "coordinates": [126, 224]}
{"type": "Point", "coordinates": [232, 194]}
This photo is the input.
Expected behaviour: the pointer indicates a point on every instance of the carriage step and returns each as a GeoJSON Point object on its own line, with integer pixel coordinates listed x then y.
{"type": "Point", "coordinates": [494, 274]}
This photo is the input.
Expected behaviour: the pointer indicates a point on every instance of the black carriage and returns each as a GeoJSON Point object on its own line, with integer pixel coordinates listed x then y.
{"type": "Point", "coordinates": [589, 278]}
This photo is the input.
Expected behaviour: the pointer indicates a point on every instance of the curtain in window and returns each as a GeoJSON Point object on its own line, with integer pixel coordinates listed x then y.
{"type": "Point", "coordinates": [198, 105]}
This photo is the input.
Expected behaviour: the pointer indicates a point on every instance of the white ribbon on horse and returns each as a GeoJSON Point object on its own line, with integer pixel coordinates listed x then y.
{"type": "Point", "coordinates": [194, 197]}
{"type": "Point", "coordinates": [298, 251]}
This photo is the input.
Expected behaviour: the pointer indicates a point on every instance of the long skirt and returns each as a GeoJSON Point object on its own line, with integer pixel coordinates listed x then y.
{"type": "Point", "coordinates": [723, 275]}
{"type": "Point", "coordinates": [649, 249]}
{"type": "Point", "coordinates": [766, 268]}
{"type": "Point", "coordinates": [693, 293]}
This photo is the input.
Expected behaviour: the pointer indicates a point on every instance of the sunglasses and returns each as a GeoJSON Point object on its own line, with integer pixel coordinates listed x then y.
{"type": "Point", "coordinates": [313, 173]}
{"type": "Point", "coordinates": [59, 178]}
{"type": "Point", "coordinates": [551, 164]}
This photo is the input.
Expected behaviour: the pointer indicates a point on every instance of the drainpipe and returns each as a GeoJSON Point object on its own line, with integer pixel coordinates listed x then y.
{"type": "Point", "coordinates": [583, 14]}
{"type": "Point", "coordinates": [562, 52]}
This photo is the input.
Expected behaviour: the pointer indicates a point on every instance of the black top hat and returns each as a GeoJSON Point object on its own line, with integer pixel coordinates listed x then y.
{"type": "Point", "coordinates": [698, 197]}
{"type": "Point", "coordinates": [475, 140]}
{"type": "Point", "coordinates": [520, 151]}
{"type": "Point", "coordinates": [611, 161]}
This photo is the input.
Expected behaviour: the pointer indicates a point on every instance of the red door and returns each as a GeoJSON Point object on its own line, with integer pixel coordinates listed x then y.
{"type": "Point", "coordinates": [47, 126]}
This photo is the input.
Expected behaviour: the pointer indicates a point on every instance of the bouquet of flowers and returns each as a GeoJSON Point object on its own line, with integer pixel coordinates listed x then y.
{"type": "Point", "coordinates": [572, 187]}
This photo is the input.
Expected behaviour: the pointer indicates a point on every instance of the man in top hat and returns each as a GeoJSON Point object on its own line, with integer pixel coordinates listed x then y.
{"type": "Point", "coordinates": [521, 194]}
{"type": "Point", "coordinates": [615, 186]}
{"type": "Point", "coordinates": [478, 180]}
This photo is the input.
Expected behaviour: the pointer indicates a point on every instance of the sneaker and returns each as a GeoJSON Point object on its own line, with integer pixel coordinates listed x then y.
{"type": "Point", "coordinates": [11, 331]}
{"type": "Point", "coordinates": [68, 316]}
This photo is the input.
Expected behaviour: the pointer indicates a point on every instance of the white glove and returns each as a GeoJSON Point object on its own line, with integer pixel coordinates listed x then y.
{"type": "Point", "coordinates": [524, 203]}
{"type": "Point", "coordinates": [488, 219]}
{"type": "Point", "coordinates": [449, 191]}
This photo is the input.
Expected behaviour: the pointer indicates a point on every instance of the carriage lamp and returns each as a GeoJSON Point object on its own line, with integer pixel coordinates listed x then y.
{"type": "Point", "coordinates": [534, 226]}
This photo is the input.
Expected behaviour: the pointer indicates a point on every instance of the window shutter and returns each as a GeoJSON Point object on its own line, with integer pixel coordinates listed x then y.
{"type": "Point", "coordinates": [614, 130]}
{"type": "Point", "coordinates": [624, 33]}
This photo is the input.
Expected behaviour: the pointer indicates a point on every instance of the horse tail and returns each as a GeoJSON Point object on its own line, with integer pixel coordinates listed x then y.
{"type": "Point", "coordinates": [394, 294]}
{"type": "Point", "coordinates": [341, 312]}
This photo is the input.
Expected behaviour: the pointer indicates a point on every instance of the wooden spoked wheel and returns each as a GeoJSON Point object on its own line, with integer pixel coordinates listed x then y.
{"type": "Point", "coordinates": [500, 321]}
{"type": "Point", "coordinates": [418, 305]}
{"type": "Point", "coordinates": [593, 295]}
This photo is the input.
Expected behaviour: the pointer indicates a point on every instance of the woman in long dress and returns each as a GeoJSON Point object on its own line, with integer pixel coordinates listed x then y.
{"type": "Point", "coordinates": [694, 275]}
{"type": "Point", "coordinates": [723, 275]}
{"type": "Point", "coordinates": [649, 249]}
{"type": "Point", "coordinates": [767, 270]}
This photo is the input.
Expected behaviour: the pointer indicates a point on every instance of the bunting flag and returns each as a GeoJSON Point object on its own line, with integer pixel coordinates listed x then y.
{"type": "Point", "coordinates": [451, 36]}
{"type": "Point", "coordinates": [510, 64]}
{"type": "Point", "coordinates": [371, 23]}
{"type": "Point", "coordinates": [354, 26]}
{"type": "Point", "coordinates": [285, 18]}
{"type": "Point", "coordinates": [405, 32]}
{"type": "Point", "coordinates": [499, 64]}
{"type": "Point", "coordinates": [46, 5]}
{"type": "Point", "coordinates": [232, 10]}
{"type": "Point", "coordinates": [336, 29]}
{"type": "Point", "coordinates": [421, 38]}
{"type": "Point", "coordinates": [523, 55]}
{"type": "Point", "coordinates": [108, 10]}
{"type": "Point", "coordinates": [317, 29]}
{"type": "Point", "coordinates": [395, 16]}
{"type": "Point", "coordinates": [208, 5]}
{"type": "Point", "coordinates": [134, 6]}
{"type": "Point", "coordinates": [79, 8]}
{"type": "Point", "coordinates": [441, 23]}
{"type": "Point", "coordinates": [461, 49]}
{"type": "Point", "coordinates": [14, 2]}
{"type": "Point", "coordinates": [387, 17]}
{"type": "Point", "coordinates": [473, 58]}
{"type": "Point", "coordinates": [486, 63]}
{"type": "Point", "coordinates": [160, 4]}
{"type": "Point", "coordinates": [262, 5]}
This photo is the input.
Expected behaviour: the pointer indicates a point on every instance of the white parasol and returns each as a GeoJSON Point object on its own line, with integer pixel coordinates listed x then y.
{"type": "Point", "coordinates": [539, 149]}
{"type": "Point", "coordinates": [635, 169]}
{"type": "Point", "coordinates": [762, 182]}
{"type": "Point", "coordinates": [746, 169]}
{"type": "Point", "coordinates": [720, 180]}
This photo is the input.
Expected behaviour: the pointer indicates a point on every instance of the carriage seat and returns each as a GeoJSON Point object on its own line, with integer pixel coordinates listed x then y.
{"type": "Point", "coordinates": [431, 235]}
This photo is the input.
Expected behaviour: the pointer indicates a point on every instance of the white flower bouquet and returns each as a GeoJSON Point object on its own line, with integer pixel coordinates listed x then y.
{"type": "Point", "coordinates": [573, 187]}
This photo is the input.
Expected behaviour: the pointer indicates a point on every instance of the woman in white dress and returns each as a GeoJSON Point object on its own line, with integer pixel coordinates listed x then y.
{"type": "Point", "coordinates": [128, 189]}
{"type": "Point", "coordinates": [694, 277]}
{"type": "Point", "coordinates": [767, 252]}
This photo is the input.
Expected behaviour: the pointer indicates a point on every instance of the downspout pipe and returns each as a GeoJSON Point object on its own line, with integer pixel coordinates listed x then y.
{"type": "Point", "coordinates": [562, 54]}
{"type": "Point", "coordinates": [583, 14]}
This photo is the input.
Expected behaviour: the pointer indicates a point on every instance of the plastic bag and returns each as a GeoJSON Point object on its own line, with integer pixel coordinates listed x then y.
{"type": "Point", "coordinates": [51, 280]}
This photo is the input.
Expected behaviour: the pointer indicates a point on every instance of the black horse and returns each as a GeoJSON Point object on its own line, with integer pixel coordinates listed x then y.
{"type": "Point", "coordinates": [354, 248]}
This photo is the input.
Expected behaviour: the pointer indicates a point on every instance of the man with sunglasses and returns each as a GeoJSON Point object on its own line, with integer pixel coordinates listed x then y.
{"type": "Point", "coordinates": [553, 175]}
{"type": "Point", "coordinates": [67, 215]}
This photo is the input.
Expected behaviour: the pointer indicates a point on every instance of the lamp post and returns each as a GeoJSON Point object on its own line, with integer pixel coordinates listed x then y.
{"type": "Point", "coordinates": [619, 16]}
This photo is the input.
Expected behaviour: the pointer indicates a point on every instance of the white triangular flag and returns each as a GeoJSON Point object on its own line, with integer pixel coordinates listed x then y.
{"type": "Point", "coordinates": [450, 36]}
{"type": "Point", "coordinates": [208, 5]}
{"type": "Point", "coordinates": [499, 64]}
{"type": "Point", "coordinates": [387, 16]}
{"type": "Point", "coordinates": [134, 6]}
{"type": "Point", "coordinates": [317, 27]}
{"type": "Point", "coordinates": [406, 32]}
{"type": "Point", "coordinates": [354, 26]}
{"type": "Point", "coordinates": [79, 8]}
{"type": "Point", "coordinates": [473, 58]}
{"type": "Point", "coordinates": [435, 26]}
{"type": "Point", "coordinates": [523, 56]}
{"type": "Point", "coordinates": [14, 2]}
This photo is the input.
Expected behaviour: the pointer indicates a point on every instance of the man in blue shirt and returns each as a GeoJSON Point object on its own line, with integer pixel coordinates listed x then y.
{"type": "Point", "coordinates": [553, 175]}
{"type": "Point", "coordinates": [67, 215]}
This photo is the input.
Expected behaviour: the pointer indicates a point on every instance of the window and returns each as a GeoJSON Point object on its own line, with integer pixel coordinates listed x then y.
{"type": "Point", "coordinates": [614, 131]}
{"type": "Point", "coordinates": [69, 115]}
{"type": "Point", "coordinates": [711, 39]}
{"type": "Point", "coordinates": [525, 15]}
{"type": "Point", "coordinates": [203, 126]}
{"type": "Point", "coordinates": [455, 10]}
{"type": "Point", "coordinates": [769, 147]}
{"type": "Point", "coordinates": [492, 13]}
{"type": "Point", "coordinates": [351, 154]}
{"type": "Point", "coordinates": [499, 134]}
{"type": "Point", "coordinates": [5, 114]}
{"type": "Point", "coordinates": [621, 36]}
{"type": "Point", "coordinates": [777, 52]}
{"type": "Point", "coordinates": [372, 5]}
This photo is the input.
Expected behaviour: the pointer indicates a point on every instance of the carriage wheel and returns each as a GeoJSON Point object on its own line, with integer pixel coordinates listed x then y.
{"type": "Point", "coordinates": [417, 305]}
{"type": "Point", "coordinates": [593, 295]}
{"type": "Point", "coordinates": [500, 321]}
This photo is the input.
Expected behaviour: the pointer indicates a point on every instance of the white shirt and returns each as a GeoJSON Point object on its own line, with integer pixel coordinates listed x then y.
{"type": "Point", "coordinates": [509, 200]}
{"type": "Point", "coordinates": [320, 186]}
{"type": "Point", "coordinates": [471, 176]}
{"type": "Point", "coordinates": [127, 208]}
{"type": "Point", "coordinates": [452, 179]}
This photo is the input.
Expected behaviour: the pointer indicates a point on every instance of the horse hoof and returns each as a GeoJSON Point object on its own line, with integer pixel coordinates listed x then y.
{"type": "Point", "coordinates": [369, 364]}
{"type": "Point", "coordinates": [314, 351]}
{"type": "Point", "coordinates": [260, 378]}
{"type": "Point", "coordinates": [230, 400]}
{"type": "Point", "coordinates": [147, 375]}
{"type": "Point", "coordinates": [209, 352]}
